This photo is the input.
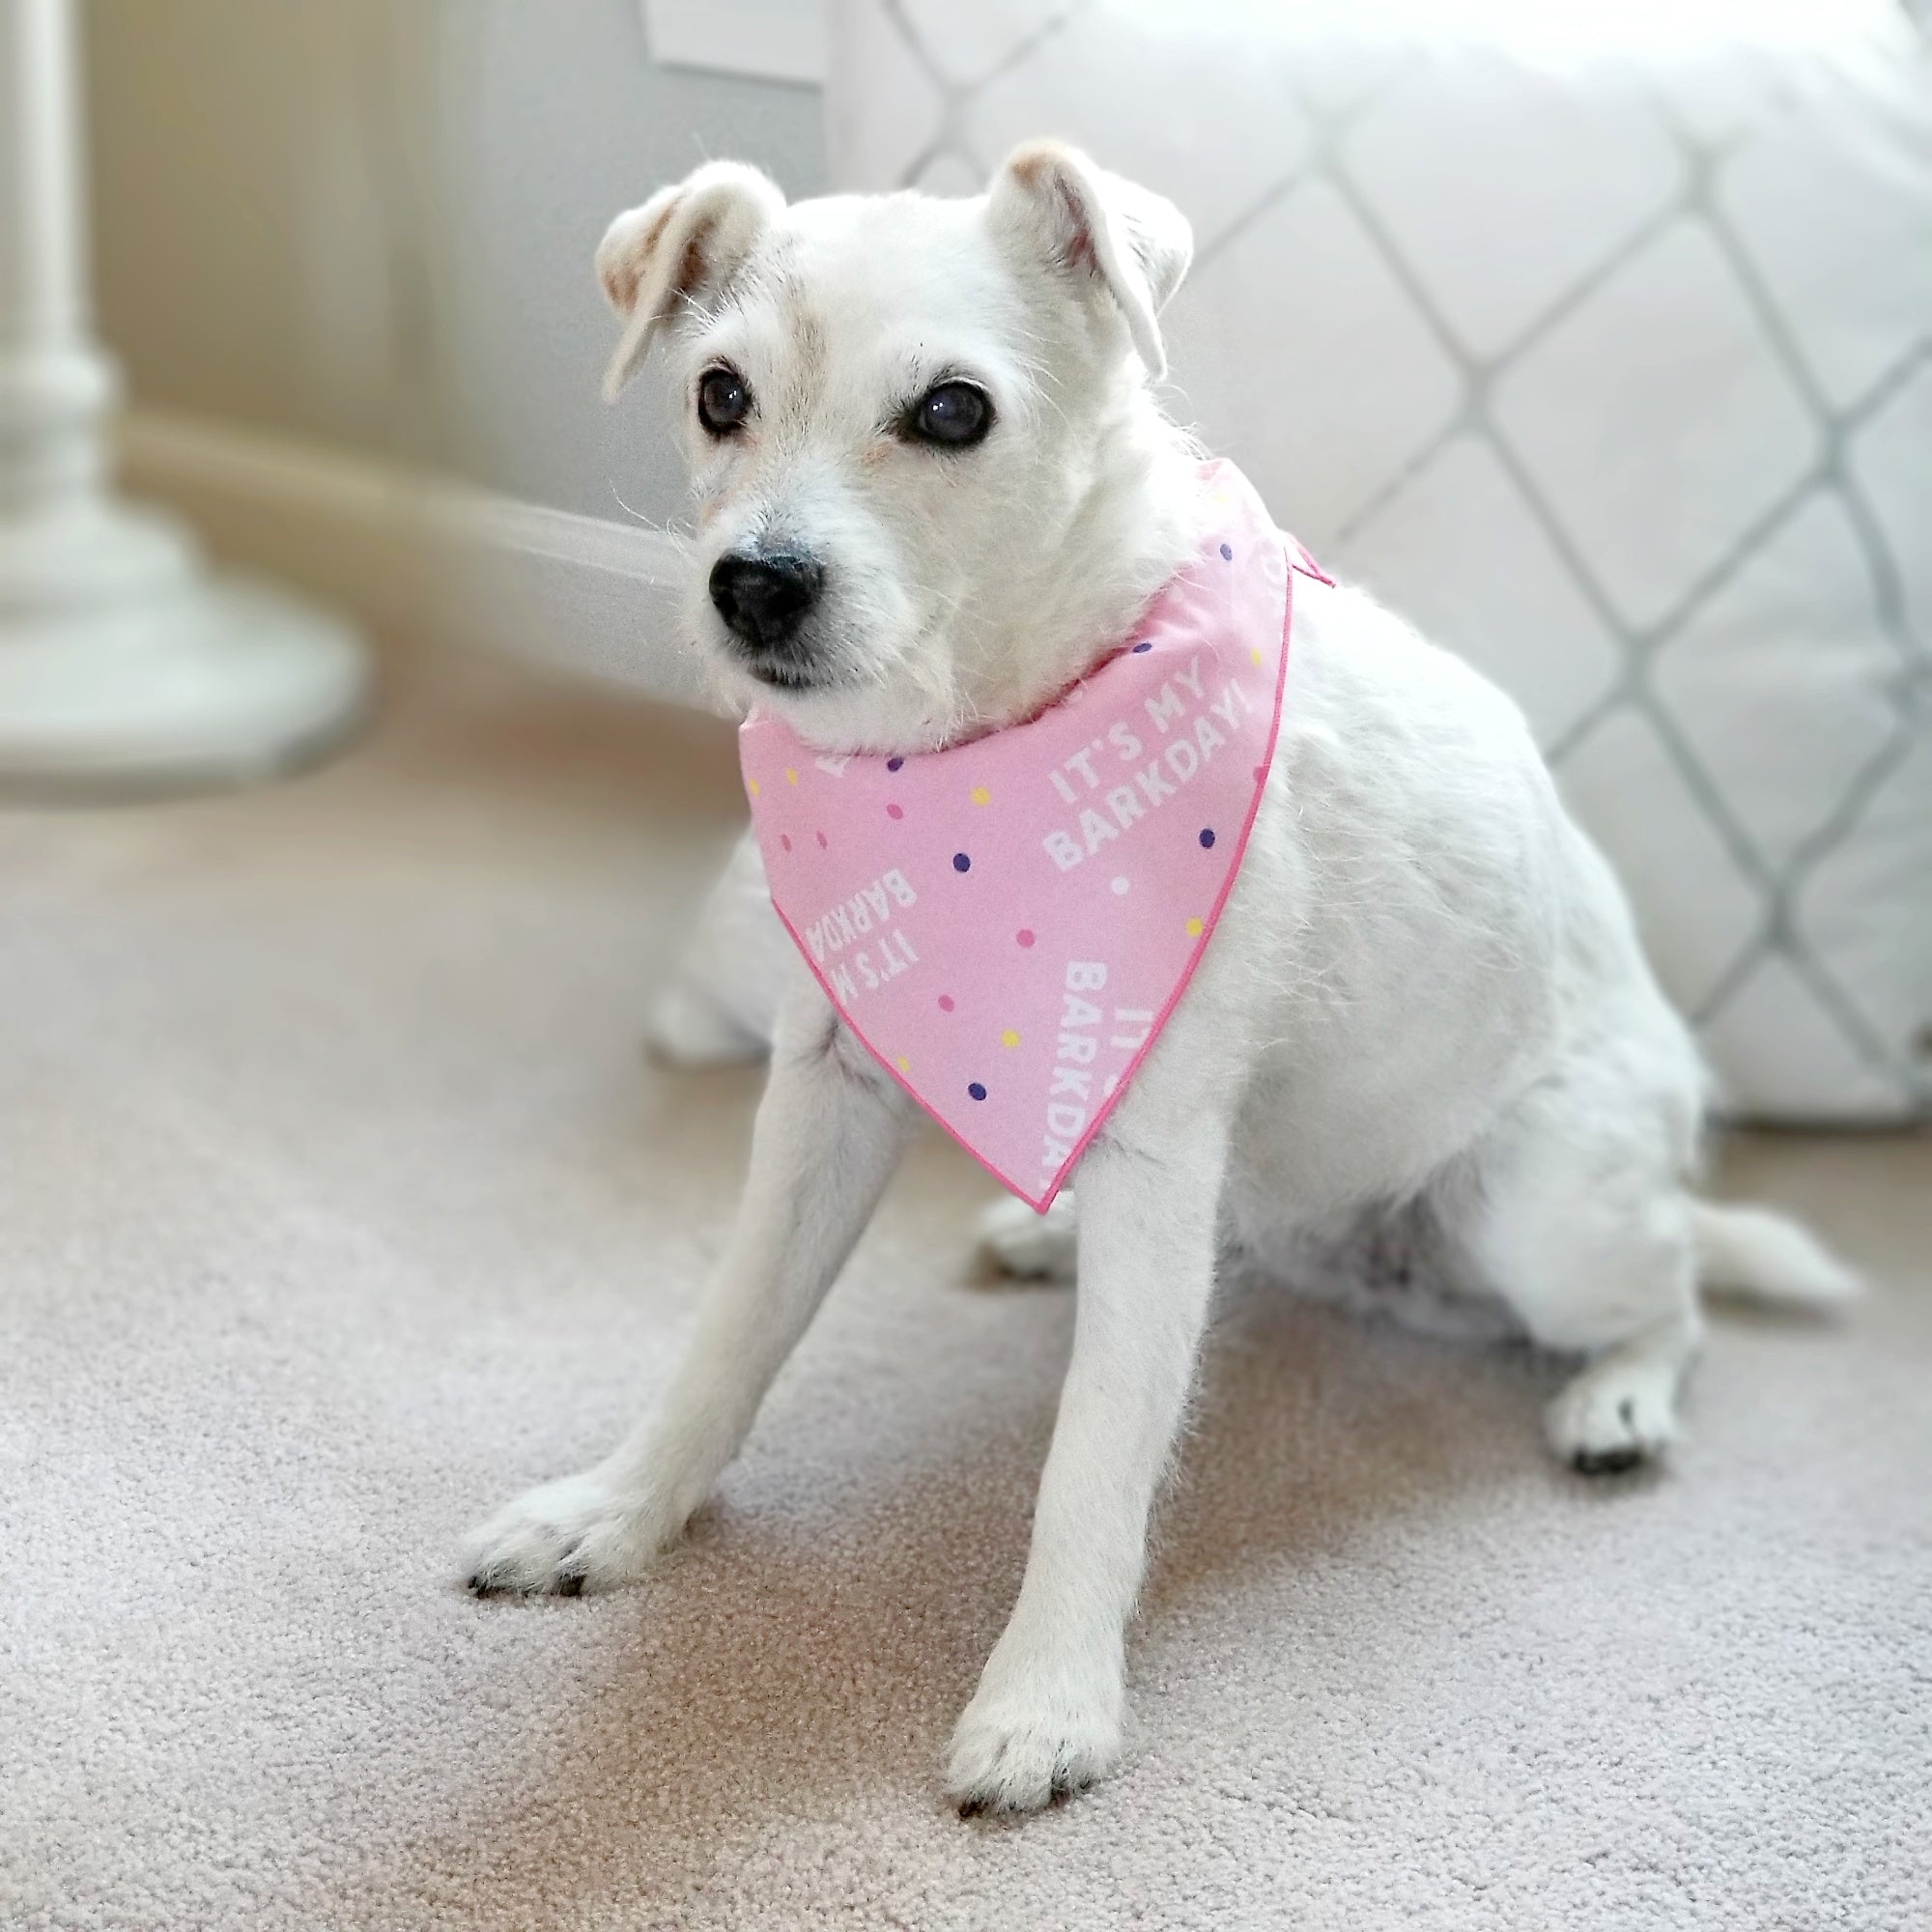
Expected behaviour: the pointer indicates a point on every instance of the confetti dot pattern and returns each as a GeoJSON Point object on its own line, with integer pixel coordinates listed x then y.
{"type": "Point", "coordinates": [993, 914]}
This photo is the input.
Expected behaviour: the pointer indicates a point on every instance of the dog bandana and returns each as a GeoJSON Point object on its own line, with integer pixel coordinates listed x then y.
{"type": "Point", "coordinates": [1007, 924]}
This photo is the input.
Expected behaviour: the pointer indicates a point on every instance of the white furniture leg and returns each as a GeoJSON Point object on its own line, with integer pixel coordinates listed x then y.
{"type": "Point", "coordinates": [123, 665]}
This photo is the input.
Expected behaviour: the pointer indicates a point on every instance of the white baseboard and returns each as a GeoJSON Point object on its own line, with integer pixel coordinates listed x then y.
{"type": "Point", "coordinates": [415, 555]}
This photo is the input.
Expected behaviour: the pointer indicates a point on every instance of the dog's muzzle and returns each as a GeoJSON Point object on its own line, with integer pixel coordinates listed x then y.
{"type": "Point", "coordinates": [764, 597]}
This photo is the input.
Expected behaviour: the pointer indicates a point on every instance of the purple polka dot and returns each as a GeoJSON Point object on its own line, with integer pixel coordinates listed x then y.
{"type": "Point", "coordinates": [1227, 556]}
{"type": "Point", "coordinates": [960, 863]}
{"type": "Point", "coordinates": [892, 764]}
{"type": "Point", "coordinates": [895, 811]}
{"type": "Point", "coordinates": [1024, 936]}
{"type": "Point", "coordinates": [821, 839]}
{"type": "Point", "coordinates": [946, 1003]}
{"type": "Point", "coordinates": [977, 1092]}
{"type": "Point", "coordinates": [784, 839]}
{"type": "Point", "coordinates": [1146, 645]}
{"type": "Point", "coordinates": [1207, 836]}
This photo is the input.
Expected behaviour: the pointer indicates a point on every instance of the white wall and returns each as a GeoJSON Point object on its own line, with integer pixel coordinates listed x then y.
{"type": "Point", "coordinates": [371, 222]}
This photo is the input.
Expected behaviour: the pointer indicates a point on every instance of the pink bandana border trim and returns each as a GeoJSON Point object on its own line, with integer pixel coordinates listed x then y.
{"type": "Point", "coordinates": [792, 873]}
{"type": "Point", "coordinates": [1040, 1202]}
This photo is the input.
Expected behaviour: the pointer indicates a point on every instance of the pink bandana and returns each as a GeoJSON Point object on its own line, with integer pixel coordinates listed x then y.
{"type": "Point", "coordinates": [1008, 923]}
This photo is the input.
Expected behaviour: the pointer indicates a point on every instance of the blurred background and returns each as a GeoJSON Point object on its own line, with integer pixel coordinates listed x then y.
{"type": "Point", "coordinates": [368, 225]}
{"type": "Point", "coordinates": [358, 792]}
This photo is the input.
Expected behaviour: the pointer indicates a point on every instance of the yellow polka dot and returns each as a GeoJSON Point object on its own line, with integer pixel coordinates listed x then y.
{"type": "Point", "coordinates": [791, 777]}
{"type": "Point", "coordinates": [1256, 654]}
{"type": "Point", "coordinates": [903, 1065]}
{"type": "Point", "coordinates": [981, 796]}
{"type": "Point", "coordinates": [1194, 929]}
{"type": "Point", "coordinates": [1010, 1037]}
{"type": "Point", "coordinates": [754, 787]}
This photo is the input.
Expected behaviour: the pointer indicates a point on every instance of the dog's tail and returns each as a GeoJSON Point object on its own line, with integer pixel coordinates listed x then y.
{"type": "Point", "coordinates": [1767, 1257]}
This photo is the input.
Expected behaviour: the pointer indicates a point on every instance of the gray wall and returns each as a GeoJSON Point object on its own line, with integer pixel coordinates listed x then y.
{"type": "Point", "coordinates": [372, 220]}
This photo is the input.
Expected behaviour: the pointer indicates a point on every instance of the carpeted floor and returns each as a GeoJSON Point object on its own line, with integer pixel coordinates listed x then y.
{"type": "Point", "coordinates": [336, 1203]}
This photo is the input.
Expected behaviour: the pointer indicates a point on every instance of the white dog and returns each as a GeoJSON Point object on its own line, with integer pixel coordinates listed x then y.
{"type": "Point", "coordinates": [933, 488]}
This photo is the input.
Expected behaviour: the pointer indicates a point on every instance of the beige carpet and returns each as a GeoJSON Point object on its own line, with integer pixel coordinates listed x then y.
{"type": "Point", "coordinates": [336, 1203]}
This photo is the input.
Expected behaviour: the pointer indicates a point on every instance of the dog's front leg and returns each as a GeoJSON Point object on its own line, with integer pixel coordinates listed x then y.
{"type": "Point", "coordinates": [1046, 1717]}
{"type": "Point", "coordinates": [829, 1134]}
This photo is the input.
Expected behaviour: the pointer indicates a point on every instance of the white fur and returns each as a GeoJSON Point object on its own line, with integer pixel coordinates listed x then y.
{"type": "Point", "coordinates": [1753, 1252]}
{"type": "Point", "coordinates": [1424, 1032]}
{"type": "Point", "coordinates": [720, 1004]}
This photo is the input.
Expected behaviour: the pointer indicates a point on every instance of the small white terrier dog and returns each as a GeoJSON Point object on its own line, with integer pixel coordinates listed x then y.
{"type": "Point", "coordinates": [933, 488]}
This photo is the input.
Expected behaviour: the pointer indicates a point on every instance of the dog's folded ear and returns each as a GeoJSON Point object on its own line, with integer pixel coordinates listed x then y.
{"type": "Point", "coordinates": [1052, 202]}
{"type": "Point", "coordinates": [683, 244]}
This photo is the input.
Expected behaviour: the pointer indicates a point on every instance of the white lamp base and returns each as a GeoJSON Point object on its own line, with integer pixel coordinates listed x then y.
{"type": "Point", "coordinates": [122, 669]}
{"type": "Point", "coordinates": [173, 680]}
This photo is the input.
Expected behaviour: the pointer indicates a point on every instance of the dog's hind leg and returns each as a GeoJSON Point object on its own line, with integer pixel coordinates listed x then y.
{"type": "Point", "coordinates": [1622, 1409]}
{"type": "Point", "coordinates": [1587, 1233]}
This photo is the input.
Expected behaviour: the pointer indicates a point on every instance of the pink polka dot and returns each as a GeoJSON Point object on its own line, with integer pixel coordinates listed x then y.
{"type": "Point", "coordinates": [1024, 936]}
{"type": "Point", "coordinates": [784, 839]}
{"type": "Point", "coordinates": [821, 839]}
{"type": "Point", "coordinates": [895, 811]}
{"type": "Point", "coordinates": [946, 1003]}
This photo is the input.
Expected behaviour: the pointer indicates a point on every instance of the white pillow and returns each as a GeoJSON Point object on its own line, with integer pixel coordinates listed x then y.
{"type": "Point", "coordinates": [1607, 356]}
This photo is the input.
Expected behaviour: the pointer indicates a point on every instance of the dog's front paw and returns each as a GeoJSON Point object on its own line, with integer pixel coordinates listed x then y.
{"type": "Point", "coordinates": [586, 1532]}
{"type": "Point", "coordinates": [1019, 1747]}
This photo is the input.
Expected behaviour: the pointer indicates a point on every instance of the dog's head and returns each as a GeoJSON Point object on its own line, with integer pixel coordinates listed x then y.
{"type": "Point", "coordinates": [912, 422]}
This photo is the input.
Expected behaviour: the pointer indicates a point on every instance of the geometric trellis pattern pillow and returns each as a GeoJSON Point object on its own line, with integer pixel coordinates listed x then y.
{"type": "Point", "coordinates": [1615, 374]}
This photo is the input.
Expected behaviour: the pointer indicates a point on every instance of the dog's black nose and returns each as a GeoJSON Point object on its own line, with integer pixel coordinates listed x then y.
{"type": "Point", "coordinates": [763, 598]}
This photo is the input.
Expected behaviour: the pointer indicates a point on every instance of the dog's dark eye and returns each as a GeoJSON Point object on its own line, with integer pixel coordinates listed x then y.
{"type": "Point", "coordinates": [953, 414]}
{"type": "Point", "coordinates": [723, 401]}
